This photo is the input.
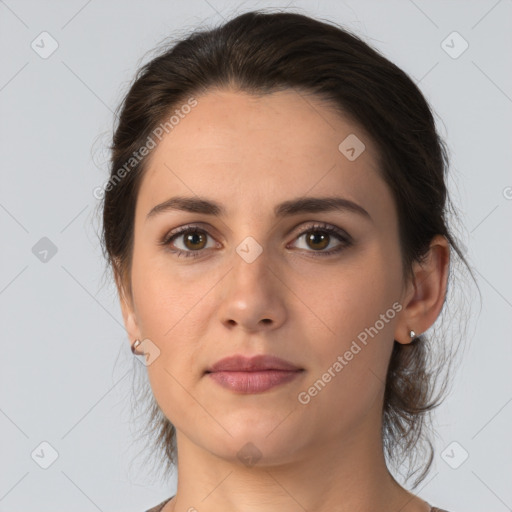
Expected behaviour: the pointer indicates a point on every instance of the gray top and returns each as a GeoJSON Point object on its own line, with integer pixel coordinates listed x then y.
{"type": "Point", "coordinates": [160, 506]}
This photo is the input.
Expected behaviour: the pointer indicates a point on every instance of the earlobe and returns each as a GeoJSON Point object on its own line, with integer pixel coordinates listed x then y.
{"type": "Point", "coordinates": [405, 339]}
{"type": "Point", "coordinates": [427, 293]}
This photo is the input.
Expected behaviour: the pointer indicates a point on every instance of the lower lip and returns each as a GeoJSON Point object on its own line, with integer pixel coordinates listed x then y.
{"type": "Point", "coordinates": [253, 382]}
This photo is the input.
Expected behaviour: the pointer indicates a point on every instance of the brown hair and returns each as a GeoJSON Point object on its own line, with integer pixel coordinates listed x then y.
{"type": "Point", "coordinates": [260, 53]}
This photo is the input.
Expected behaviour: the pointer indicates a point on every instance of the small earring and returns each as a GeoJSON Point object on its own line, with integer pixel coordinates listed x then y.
{"type": "Point", "coordinates": [412, 334]}
{"type": "Point", "coordinates": [135, 344]}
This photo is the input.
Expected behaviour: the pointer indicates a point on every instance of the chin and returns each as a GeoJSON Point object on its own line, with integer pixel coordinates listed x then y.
{"type": "Point", "coordinates": [254, 446]}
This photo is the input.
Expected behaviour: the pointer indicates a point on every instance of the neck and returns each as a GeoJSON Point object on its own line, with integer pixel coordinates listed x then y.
{"type": "Point", "coordinates": [328, 475]}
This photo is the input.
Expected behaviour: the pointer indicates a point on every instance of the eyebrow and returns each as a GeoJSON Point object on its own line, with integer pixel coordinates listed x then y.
{"type": "Point", "coordinates": [284, 209]}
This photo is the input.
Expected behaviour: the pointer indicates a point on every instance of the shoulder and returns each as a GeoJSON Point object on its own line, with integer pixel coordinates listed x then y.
{"type": "Point", "coordinates": [160, 506]}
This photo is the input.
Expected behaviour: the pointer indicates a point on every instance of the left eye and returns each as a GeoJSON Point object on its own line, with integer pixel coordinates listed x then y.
{"type": "Point", "coordinates": [194, 240]}
{"type": "Point", "coordinates": [321, 236]}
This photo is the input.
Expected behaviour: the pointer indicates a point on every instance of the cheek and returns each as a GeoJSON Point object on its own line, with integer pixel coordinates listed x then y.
{"type": "Point", "coordinates": [166, 299]}
{"type": "Point", "coordinates": [349, 364]}
{"type": "Point", "coordinates": [169, 309]}
{"type": "Point", "coordinates": [355, 309]}
{"type": "Point", "coordinates": [342, 302]}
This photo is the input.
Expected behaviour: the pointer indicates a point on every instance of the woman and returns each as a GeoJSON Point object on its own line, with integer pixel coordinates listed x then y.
{"type": "Point", "coordinates": [276, 225]}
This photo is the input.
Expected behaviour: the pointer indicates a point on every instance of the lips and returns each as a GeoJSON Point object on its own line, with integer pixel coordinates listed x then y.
{"type": "Point", "coordinates": [258, 374]}
{"type": "Point", "coordinates": [262, 362]}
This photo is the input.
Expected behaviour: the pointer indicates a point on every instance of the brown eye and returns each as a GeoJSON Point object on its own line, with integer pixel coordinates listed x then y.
{"type": "Point", "coordinates": [318, 240]}
{"type": "Point", "coordinates": [194, 240]}
{"type": "Point", "coordinates": [187, 241]}
{"type": "Point", "coordinates": [318, 237]}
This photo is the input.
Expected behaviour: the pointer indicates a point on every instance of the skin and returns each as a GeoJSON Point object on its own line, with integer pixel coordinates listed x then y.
{"type": "Point", "coordinates": [250, 153]}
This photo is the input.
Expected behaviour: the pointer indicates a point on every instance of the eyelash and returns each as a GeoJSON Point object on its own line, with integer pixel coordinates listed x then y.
{"type": "Point", "coordinates": [323, 228]}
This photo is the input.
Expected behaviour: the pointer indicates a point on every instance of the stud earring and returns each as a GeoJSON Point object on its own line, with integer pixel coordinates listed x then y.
{"type": "Point", "coordinates": [412, 334]}
{"type": "Point", "coordinates": [135, 344]}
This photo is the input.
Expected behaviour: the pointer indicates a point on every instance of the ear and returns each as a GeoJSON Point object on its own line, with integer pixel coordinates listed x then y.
{"type": "Point", "coordinates": [426, 293]}
{"type": "Point", "coordinates": [128, 310]}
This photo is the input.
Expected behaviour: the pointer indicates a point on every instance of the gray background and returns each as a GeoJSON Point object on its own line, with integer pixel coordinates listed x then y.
{"type": "Point", "coordinates": [66, 369]}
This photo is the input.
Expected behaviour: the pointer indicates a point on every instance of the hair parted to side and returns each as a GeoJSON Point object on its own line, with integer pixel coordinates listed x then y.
{"type": "Point", "coordinates": [262, 52]}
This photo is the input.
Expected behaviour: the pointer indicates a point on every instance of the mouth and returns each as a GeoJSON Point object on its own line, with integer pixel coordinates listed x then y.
{"type": "Point", "coordinates": [255, 374]}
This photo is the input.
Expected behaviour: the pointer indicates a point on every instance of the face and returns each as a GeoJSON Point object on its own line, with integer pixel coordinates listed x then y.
{"type": "Point", "coordinates": [249, 282]}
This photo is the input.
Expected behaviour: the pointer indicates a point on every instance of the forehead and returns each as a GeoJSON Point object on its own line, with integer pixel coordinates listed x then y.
{"type": "Point", "coordinates": [261, 150]}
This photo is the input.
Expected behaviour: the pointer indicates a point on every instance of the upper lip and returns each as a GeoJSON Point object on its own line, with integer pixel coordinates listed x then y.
{"type": "Point", "coordinates": [251, 364]}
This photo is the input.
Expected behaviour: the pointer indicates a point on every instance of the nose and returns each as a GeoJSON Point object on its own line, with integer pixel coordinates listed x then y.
{"type": "Point", "coordinates": [253, 295]}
